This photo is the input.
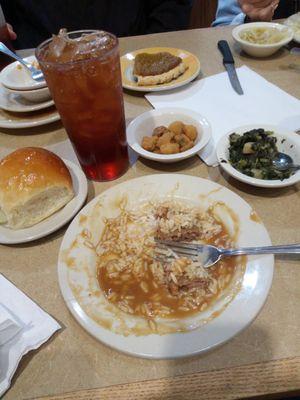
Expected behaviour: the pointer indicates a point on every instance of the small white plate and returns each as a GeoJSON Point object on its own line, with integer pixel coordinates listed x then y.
{"type": "Point", "coordinates": [294, 23]}
{"type": "Point", "coordinates": [15, 76]}
{"type": "Point", "coordinates": [127, 63]}
{"type": "Point", "coordinates": [288, 142]}
{"type": "Point", "coordinates": [19, 120]}
{"type": "Point", "coordinates": [55, 221]}
{"type": "Point", "coordinates": [144, 124]}
{"type": "Point", "coordinates": [14, 102]}
{"type": "Point", "coordinates": [76, 272]}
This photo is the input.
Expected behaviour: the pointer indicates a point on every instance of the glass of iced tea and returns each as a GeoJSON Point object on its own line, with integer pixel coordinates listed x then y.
{"type": "Point", "coordinates": [82, 71]}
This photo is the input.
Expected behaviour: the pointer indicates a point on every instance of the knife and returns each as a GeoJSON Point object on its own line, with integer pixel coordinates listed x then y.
{"type": "Point", "coordinates": [228, 62]}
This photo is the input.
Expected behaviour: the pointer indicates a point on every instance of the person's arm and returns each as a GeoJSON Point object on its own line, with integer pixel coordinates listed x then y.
{"type": "Point", "coordinates": [11, 32]}
{"type": "Point", "coordinates": [259, 10]}
{"type": "Point", "coordinates": [167, 15]}
{"type": "Point", "coordinates": [229, 13]}
{"type": "Point", "coordinates": [234, 12]}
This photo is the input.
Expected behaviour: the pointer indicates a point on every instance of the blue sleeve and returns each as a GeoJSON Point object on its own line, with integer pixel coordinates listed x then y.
{"type": "Point", "coordinates": [228, 13]}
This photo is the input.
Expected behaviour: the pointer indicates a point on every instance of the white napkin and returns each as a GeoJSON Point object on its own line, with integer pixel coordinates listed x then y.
{"type": "Point", "coordinates": [215, 99]}
{"type": "Point", "coordinates": [9, 326]}
{"type": "Point", "coordinates": [64, 150]}
{"type": "Point", "coordinates": [30, 327]}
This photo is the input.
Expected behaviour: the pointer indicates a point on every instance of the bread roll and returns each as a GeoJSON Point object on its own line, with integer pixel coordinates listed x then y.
{"type": "Point", "coordinates": [34, 183]}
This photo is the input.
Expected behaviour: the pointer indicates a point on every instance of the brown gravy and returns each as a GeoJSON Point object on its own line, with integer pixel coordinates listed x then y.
{"type": "Point", "coordinates": [146, 64]}
{"type": "Point", "coordinates": [158, 296]}
{"type": "Point", "coordinates": [254, 217]}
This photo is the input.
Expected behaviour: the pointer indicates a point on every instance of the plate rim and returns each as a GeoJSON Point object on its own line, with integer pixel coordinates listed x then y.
{"type": "Point", "coordinates": [32, 107]}
{"type": "Point", "coordinates": [30, 124]}
{"type": "Point", "coordinates": [161, 88]}
{"type": "Point", "coordinates": [234, 173]}
{"type": "Point", "coordinates": [39, 106]}
{"type": "Point", "coordinates": [84, 320]}
{"type": "Point", "coordinates": [82, 195]}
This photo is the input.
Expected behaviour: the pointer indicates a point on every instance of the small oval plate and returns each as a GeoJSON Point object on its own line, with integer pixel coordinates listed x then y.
{"type": "Point", "coordinates": [127, 62]}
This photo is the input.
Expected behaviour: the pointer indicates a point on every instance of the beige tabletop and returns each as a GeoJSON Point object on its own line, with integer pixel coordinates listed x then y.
{"type": "Point", "coordinates": [264, 358]}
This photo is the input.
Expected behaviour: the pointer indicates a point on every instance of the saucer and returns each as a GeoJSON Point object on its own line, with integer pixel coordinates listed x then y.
{"type": "Point", "coordinates": [16, 103]}
{"type": "Point", "coordinates": [28, 120]}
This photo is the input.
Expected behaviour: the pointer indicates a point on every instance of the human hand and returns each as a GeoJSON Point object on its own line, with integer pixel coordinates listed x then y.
{"type": "Point", "coordinates": [259, 10]}
{"type": "Point", "coordinates": [12, 34]}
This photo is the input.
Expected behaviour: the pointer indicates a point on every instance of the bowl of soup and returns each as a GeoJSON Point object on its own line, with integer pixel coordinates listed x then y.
{"type": "Point", "coordinates": [262, 39]}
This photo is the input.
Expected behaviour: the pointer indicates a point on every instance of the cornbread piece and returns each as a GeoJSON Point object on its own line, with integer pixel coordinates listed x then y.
{"type": "Point", "coordinates": [154, 69]}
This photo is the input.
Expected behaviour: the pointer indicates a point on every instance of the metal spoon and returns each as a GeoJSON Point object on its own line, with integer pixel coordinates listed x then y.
{"type": "Point", "coordinates": [284, 162]}
{"type": "Point", "coordinates": [35, 74]}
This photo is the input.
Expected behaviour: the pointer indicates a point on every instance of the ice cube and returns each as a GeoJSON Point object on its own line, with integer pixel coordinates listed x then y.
{"type": "Point", "coordinates": [64, 49]}
{"type": "Point", "coordinates": [57, 45]}
{"type": "Point", "coordinates": [93, 44]}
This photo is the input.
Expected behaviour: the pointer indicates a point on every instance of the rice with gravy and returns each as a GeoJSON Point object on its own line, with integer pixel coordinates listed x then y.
{"type": "Point", "coordinates": [138, 284]}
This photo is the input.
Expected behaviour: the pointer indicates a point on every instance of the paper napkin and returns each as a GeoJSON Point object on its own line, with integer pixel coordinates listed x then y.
{"type": "Point", "coordinates": [24, 326]}
{"type": "Point", "coordinates": [64, 150]}
{"type": "Point", "coordinates": [215, 99]}
{"type": "Point", "coordinates": [9, 326]}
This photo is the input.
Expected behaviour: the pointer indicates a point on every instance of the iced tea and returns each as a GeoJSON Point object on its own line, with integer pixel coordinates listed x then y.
{"type": "Point", "coordinates": [82, 70]}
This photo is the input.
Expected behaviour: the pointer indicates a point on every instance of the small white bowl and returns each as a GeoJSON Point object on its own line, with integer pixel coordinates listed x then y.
{"type": "Point", "coordinates": [35, 96]}
{"type": "Point", "coordinates": [16, 77]}
{"type": "Point", "coordinates": [145, 123]}
{"type": "Point", "coordinates": [261, 50]}
{"type": "Point", "coordinates": [288, 143]}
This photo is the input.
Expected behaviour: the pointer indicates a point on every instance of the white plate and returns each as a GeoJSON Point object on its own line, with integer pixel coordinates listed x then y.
{"type": "Point", "coordinates": [144, 124]}
{"type": "Point", "coordinates": [16, 103]}
{"type": "Point", "coordinates": [290, 146]}
{"type": "Point", "coordinates": [15, 76]}
{"type": "Point", "coordinates": [294, 23]}
{"type": "Point", "coordinates": [28, 120]}
{"type": "Point", "coordinates": [238, 314]}
{"type": "Point", "coordinates": [55, 221]}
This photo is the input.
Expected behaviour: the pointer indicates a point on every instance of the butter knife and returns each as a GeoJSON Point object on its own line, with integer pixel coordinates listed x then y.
{"type": "Point", "coordinates": [228, 62]}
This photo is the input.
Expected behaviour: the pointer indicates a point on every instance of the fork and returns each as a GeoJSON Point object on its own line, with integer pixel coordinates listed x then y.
{"type": "Point", "coordinates": [209, 255]}
{"type": "Point", "coordinates": [35, 74]}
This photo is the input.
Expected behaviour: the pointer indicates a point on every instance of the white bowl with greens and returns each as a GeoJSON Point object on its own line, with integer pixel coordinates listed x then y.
{"type": "Point", "coordinates": [246, 154]}
{"type": "Point", "coordinates": [262, 39]}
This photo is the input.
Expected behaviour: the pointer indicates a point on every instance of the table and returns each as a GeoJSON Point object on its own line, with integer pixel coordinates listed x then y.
{"type": "Point", "coordinates": [264, 358]}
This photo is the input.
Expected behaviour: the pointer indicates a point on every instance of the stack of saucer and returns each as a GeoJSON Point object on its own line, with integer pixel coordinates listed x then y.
{"type": "Point", "coordinates": [22, 98]}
